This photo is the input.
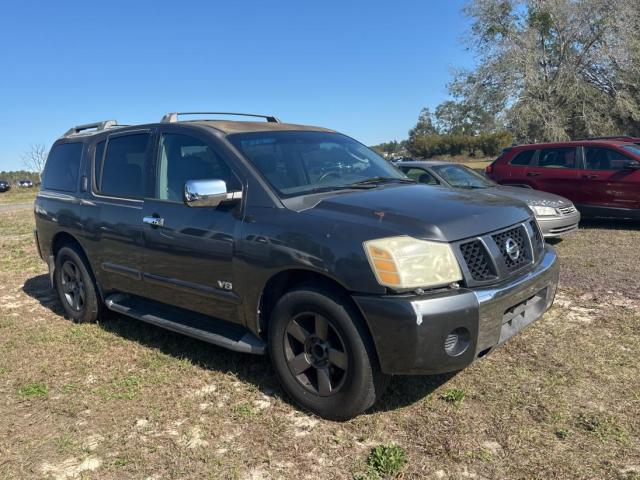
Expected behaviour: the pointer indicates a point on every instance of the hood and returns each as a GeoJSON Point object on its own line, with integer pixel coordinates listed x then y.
{"type": "Point", "coordinates": [530, 196]}
{"type": "Point", "coordinates": [422, 211]}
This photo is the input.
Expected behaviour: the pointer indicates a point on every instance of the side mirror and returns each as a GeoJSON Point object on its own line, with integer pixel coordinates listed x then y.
{"type": "Point", "coordinates": [208, 193]}
{"type": "Point", "coordinates": [631, 165]}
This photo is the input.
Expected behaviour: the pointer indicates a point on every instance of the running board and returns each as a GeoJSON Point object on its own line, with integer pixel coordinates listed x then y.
{"type": "Point", "coordinates": [217, 332]}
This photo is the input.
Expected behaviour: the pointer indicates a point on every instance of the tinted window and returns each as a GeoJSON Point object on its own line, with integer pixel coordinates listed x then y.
{"type": "Point", "coordinates": [604, 159]}
{"type": "Point", "coordinates": [523, 158]}
{"type": "Point", "coordinates": [420, 175]}
{"type": "Point", "coordinates": [557, 158]}
{"type": "Point", "coordinates": [122, 173]}
{"type": "Point", "coordinates": [295, 163]}
{"type": "Point", "coordinates": [61, 172]}
{"type": "Point", "coordinates": [182, 158]}
{"type": "Point", "coordinates": [462, 177]}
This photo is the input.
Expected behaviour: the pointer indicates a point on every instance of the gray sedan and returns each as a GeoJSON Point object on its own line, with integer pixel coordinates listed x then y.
{"type": "Point", "coordinates": [555, 214]}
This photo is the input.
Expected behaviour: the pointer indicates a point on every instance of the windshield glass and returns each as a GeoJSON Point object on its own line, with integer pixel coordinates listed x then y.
{"type": "Point", "coordinates": [462, 177]}
{"type": "Point", "coordinates": [295, 162]}
{"type": "Point", "coordinates": [633, 149]}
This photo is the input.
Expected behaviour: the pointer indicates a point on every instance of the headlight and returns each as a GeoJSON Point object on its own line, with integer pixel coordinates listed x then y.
{"type": "Point", "coordinates": [406, 262]}
{"type": "Point", "coordinates": [541, 211]}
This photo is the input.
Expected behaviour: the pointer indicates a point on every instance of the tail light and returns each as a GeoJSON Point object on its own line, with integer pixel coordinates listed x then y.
{"type": "Point", "coordinates": [489, 168]}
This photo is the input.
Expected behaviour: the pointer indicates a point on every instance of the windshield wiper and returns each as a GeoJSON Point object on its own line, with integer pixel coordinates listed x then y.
{"type": "Point", "coordinates": [331, 188]}
{"type": "Point", "coordinates": [378, 180]}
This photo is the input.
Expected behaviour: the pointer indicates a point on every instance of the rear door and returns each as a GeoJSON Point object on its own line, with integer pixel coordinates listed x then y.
{"type": "Point", "coordinates": [555, 170]}
{"type": "Point", "coordinates": [189, 255]}
{"type": "Point", "coordinates": [120, 182]}
{"type": "Point", "coordinates": [604, 181]}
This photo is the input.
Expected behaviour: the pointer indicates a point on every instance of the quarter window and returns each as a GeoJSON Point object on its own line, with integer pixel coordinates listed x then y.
{"type": "Point", "coordinates": [61, 171]}
{"type": "Point", "coordinates": [523, 158]}
{"type": "Point", "coordinates": [122, 173]}
{"type": "Point", "coordinates": [557, 158]}
{"type": "Point", "coordinates": [182, 158]}
{"type": "Point", "coordinates": [604, 159]}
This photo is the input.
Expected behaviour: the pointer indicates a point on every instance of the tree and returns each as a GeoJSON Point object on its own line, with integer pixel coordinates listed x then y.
{"type": "Point", "coordinates": [35, 158]}
{"type": "Point", "coordinates": [555, 69]}
{"type": "Point", "coordinates": [424, 126]}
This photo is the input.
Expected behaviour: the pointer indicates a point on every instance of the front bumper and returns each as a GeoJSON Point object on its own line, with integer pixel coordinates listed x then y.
{"type": "Point", "coordinates": [557, 226]}
{"type": "Point", "coordinates": [415, 334]}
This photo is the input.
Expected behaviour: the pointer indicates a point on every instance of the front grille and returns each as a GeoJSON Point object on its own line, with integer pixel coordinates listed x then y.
{"type": "Point", "coordinates": [478, 262]}
{"type": "Point", "coordinates": [504, 240]}
{"type": "Point", "coordinates": [567, 210]}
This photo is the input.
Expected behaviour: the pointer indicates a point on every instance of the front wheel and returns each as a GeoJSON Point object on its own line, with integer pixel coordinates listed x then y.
{"type": "Point", "coordinates": [322, 354]}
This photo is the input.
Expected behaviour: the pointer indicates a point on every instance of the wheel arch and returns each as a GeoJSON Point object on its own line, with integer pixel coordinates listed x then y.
{"type": "Point", "coordinates": [286, 280]}
{"type": "Point", "coordinates": [63, 239]}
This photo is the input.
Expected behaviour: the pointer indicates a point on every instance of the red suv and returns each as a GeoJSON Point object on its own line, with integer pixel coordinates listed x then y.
{"type": "Point", "coordinates": [601, 177]}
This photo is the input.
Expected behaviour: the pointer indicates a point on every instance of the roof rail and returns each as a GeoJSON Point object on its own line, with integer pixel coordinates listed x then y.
{"type": "Point", "coordinates": [611, 137]}
{"type": "Point", "coordinates": [173, 117]}
{"type": "Point", "coordinates": [88, 126]}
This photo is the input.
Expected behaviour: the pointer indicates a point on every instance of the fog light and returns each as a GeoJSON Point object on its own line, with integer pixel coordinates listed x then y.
{"type": "Point", "coordinates": [457, 342]}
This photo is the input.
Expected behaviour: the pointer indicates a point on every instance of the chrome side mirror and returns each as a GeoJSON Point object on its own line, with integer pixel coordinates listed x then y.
{"type": "Point", "coordinates": [208, 193]}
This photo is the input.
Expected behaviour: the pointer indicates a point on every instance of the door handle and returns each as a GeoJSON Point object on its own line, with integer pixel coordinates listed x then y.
{"type": "Point", "coordinates": [533, 174]}
{"type": "Point", "coordinates": [153, 221]}
{"type": "Point", "coordinates": [589, 176]}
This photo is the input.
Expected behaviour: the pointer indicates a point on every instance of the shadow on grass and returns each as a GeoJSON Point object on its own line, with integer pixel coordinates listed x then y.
{"type": "Point", "coordinates": [610, 224]}
{"type": "Point", "coordinates": [255, 369]}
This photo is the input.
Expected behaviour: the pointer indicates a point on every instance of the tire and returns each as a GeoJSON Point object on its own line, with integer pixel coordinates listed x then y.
{"type": "Point", "coordinates": [76, 286]}
{"type": "Point", "coordinates": [329, 370]}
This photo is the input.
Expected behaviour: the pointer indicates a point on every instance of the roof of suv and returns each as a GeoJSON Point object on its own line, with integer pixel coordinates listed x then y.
{"type": "Point", "coordinates": [574, 143]}
{"type": "Point", "coordinates": [225, 126]}
{"type": "Point", "coordinates": [231, 126]}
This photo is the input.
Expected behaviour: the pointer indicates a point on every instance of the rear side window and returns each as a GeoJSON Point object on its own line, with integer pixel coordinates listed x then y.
{"type": "Point", "coordinates": [557, 158]}
{"type": "Point", "coordinates": [122, 173]}
{"type": "Point", "coordinates": [61, 172]}
{"type": "Point", "coordinates": [523, 158]}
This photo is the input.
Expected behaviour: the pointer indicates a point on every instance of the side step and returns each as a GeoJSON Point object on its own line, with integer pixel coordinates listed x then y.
{"type": "Point", "coordinates": [208, 329]}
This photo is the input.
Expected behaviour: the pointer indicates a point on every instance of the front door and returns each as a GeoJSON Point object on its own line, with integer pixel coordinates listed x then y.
{"type": "Point", "coordinates": [189, 250]}
{"type": "Point", "coordinates": [604, 181]}
{"type": "Point", "coordinates": [555, 171]}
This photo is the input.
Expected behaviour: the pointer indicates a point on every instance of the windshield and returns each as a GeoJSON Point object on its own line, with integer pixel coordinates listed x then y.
{"type": "Point", "coordinates": [635, 150]}
{"type": "Point", "coordinates": [462, 177]}
{"type": "Point", "coordinates": [295, 162]}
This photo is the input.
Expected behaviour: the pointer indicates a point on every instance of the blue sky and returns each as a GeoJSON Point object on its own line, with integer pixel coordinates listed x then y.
{"type": "Point", "coordinates": [365, 68]}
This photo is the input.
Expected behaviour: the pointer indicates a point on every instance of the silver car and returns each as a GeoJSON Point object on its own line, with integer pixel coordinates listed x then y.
{"type": "Point", "coordinates": [556, 215]}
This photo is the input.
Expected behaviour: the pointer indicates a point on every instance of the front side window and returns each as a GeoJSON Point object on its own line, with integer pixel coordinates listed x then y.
{"type": "Point", "coordinates": [296, 163]}
{"type": "Point", "coordinates": [557, 158]}
{"type": "Point", "coordinates": [182, 158]}
{"type": "Point", "coordinates": [462, 177]}
{"type": "Point", "coordinates": [122, 173]}
{"type": "Point", "coordinates": [61, 171]}
{"type": "Point", "coordinates": [597, 158]}
{"type": "Point", "coordinates": [420, 175]}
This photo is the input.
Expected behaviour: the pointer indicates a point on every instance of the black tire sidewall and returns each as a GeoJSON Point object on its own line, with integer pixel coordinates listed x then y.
{"type": "Point", "coordinates": [91, 308]}
{"type": "Point", "coordinates": [359, 390]}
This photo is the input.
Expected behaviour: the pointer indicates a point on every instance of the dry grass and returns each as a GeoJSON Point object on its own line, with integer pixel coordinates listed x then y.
{"type": "Point", "coordinates": [18, 195]}
{"type": "Point", "coordinates": [126, 400]}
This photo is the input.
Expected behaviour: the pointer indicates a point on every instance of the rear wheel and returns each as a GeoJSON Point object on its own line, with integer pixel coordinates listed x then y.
{"type": "Point", "coordinates": [323, 355]}
{"type": "Point", "coordinates": [75, 286]}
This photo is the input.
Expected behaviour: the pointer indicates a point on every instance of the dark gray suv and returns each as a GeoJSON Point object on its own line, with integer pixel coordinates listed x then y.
{"type": "Point", "coordinates": [296, 241]}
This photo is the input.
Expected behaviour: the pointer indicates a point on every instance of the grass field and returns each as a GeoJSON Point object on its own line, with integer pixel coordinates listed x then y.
{"type": "Point", "coordinates": [123, 399]}
{"type": "Point", "coordinates": [18, 195]}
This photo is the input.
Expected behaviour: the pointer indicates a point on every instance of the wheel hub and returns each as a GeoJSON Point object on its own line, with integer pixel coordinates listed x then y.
{"type": "Point", "coordinates": [317, 350]}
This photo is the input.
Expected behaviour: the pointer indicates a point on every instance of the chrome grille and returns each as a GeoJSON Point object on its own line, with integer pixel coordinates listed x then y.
{"type": "Point", "coordinates": [567, 210]}
{"type": "Point", "coordinates": [519, 236]}
{"type": "Point", "coordinates": [478, 261]}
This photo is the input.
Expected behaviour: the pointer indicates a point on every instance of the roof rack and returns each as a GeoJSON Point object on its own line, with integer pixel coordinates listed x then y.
{"type": "Point", "coordinates": [98, 126]}
{"type": "Point", "coordinates": [173, 117]}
